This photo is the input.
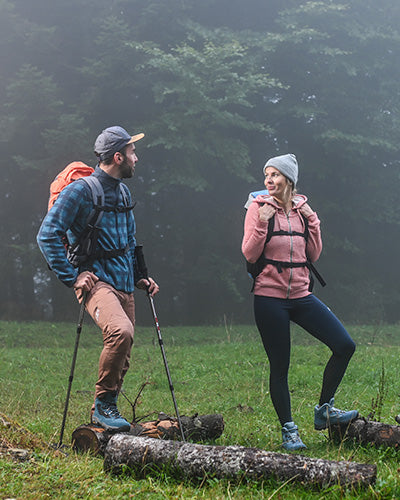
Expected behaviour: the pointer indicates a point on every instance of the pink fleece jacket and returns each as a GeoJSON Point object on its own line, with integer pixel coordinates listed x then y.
{"type": "Point", "coordinates": [292, 283]}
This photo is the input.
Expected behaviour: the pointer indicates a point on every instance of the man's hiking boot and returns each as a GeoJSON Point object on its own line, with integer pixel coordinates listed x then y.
{"type": "Point", "coordinates": [291, 440]}
{"type": "Point", "coordinates": [106, 414]}
{"type": "Point", "coordinates": [326, 415]}
{"type": "Point", "coordinates": [397, 418]}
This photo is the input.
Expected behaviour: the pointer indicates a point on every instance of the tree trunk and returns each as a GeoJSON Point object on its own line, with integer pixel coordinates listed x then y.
{"type": "Point", "coordinates": [365, 431]}
{"type": "Point", "coordinates": [188, 460]}
{"type": "Point", "coordinates": [197, 428]}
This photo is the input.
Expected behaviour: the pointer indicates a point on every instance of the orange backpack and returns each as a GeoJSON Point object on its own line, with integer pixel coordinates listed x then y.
{"type": "Point", "coordinates": [71, 172]}
{"type": "Point", "coordinates": [84, 249]}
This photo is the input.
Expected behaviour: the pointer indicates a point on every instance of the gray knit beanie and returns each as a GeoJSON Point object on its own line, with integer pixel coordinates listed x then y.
{"type": "Point", "coordinates": [286, 164]}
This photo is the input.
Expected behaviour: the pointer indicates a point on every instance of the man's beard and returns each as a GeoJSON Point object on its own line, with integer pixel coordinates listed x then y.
{"type": "Point", "coordinates": [126, 170]}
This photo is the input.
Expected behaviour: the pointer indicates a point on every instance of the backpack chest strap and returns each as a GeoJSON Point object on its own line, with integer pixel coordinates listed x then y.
{"type": "Point", "coordinates": [121, 210]}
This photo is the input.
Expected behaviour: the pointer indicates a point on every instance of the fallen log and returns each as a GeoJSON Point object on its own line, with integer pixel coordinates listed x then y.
{"type": "Point", "coordinates": [90, 437]}
{"type": "Point", "coordinates": [364, 431]}
{"type": "Point", "coordinates": [187, 460]}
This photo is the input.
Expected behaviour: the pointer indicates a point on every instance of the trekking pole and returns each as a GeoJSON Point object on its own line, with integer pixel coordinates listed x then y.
{"type": "Point", "coordinates": [71, 375]}
{"type": "Point", "coordinates": [143, 273]}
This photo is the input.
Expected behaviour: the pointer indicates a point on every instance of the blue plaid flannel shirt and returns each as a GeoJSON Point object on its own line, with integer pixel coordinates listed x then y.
{"type": "Point", "coordinates": [69, 215]}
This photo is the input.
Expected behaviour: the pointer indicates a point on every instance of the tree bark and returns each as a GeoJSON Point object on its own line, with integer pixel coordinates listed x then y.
{"type": "Point", "coordinates": [187, 460]}
{"type": "Point", "coordinates": [364, 431]}
{"type": "Point", "coordinates": [197, 428]}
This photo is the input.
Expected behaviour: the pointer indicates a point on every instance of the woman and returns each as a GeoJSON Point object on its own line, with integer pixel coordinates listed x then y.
{"type": "Point", "coordinates": [282, 293]}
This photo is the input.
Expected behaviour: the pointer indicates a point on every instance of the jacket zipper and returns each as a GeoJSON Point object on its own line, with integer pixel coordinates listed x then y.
{"type": "Point", "coordinates": [291, 257]}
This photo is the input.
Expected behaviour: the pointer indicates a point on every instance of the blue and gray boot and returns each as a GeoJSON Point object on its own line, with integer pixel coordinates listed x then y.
{"type": "Point", "coordinates": [326, 415]}
{"type": "Point", "coordinates": [106, 413]}
{"type": "Point", "coordinates": [291, 440]}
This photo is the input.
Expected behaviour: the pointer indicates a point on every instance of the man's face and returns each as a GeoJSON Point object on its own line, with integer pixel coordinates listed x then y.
{"type": "Point", "coordinates": [127, 167]}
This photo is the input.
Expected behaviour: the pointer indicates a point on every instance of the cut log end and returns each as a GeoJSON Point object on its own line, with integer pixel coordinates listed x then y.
{"type": "Point", "coordinates": [90, 438]}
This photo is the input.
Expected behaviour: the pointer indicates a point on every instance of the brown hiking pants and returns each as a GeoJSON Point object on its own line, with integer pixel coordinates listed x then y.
{"type": "Point", "coordinates": [114, 312]}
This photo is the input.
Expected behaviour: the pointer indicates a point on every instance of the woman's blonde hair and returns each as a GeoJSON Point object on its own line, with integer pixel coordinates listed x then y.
{"type": "Point", "coordinates": [293, 190]}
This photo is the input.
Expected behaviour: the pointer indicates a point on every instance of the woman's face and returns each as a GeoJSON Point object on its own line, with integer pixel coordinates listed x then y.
{"type": "Point", "coordinates": [276, 183]}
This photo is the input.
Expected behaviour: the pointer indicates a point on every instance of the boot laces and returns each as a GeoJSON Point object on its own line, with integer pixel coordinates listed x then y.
{"type": "Point", "coordinates": [111, 410]}
{"type": "Point", "coordinates": [291, 435]}
{"type": "Point", "coordinates": [336, 411]}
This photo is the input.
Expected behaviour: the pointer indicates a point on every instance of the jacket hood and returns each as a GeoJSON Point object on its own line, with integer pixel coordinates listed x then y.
{"type": "Point", "coordinates": [298, 200]}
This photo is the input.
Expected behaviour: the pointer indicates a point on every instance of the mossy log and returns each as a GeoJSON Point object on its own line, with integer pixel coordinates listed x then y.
{"type": "Point", "coordinates": [365, 431]}
{"type": "Point", "coordinates": [90, 437]}
{"type": "Point", "coordinates": [187, 460]}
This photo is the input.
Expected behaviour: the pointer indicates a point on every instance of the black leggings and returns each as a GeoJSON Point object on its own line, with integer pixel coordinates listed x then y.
{"type": "Point", "coordinates": [273, 318]}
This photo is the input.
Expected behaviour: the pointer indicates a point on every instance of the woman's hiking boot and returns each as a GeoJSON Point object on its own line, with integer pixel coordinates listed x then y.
{"type": "Point", "coordinates": [327, 415]}
{"type": "Point", "coordinates": [291, 440]}
{"type": "Point", "coordinates": [106, 414]}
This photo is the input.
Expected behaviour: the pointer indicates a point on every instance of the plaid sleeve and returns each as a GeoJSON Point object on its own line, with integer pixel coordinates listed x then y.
{"type": "Point", "coordinates": [72, 201]}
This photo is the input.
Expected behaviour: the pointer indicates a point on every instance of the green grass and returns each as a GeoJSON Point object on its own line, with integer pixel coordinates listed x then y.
{"type": "Point", "coordinates": [214, 370]}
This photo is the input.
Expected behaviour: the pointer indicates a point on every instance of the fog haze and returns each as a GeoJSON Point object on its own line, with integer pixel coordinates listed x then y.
{"type": "Point", "coordinates": [218, 87]}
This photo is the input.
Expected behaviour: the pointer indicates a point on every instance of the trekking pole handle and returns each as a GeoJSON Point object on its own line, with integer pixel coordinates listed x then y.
{"type": "Point", "coordinates": [140, 264]}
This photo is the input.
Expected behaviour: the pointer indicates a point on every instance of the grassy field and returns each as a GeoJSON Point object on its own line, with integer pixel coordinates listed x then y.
{"type": "Point", "coordinates": [214, 370]}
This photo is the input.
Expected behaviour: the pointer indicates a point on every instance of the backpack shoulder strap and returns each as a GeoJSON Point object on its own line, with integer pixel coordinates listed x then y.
{"type": "Point", "coordinates": [97, 192]}
{"type": "Point", "coordinates": [95, 188]}
{"type": "Point", "coordinates": [270, 229]}
{"type": "Point", "coordinates": [124, 194]}
{"type": "Point", "coordinates": [306, 232]}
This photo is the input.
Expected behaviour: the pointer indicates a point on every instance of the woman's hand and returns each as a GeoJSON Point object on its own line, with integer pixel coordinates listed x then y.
{"type": "Point", "coordinates": [266, 212]}
{"type": "Point", "coordinates": [306, 210]}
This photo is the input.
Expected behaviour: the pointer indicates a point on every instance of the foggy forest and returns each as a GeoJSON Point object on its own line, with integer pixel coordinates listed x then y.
{"type": "Point", "coordinates": [218, 87]}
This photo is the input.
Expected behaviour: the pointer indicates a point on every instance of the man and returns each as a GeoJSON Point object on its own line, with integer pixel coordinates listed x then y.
{"type": "Point", "coordinates": [107, 279]}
